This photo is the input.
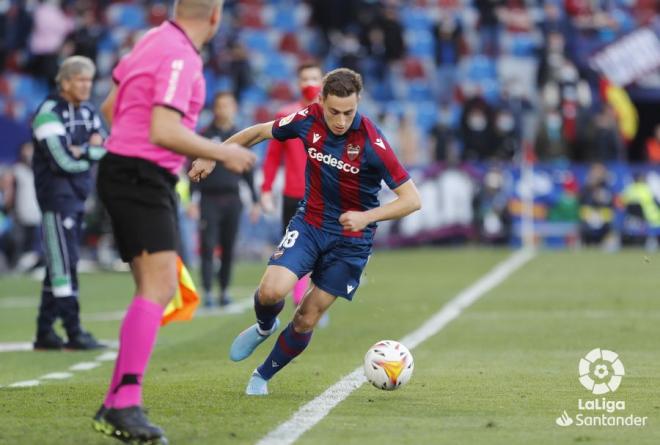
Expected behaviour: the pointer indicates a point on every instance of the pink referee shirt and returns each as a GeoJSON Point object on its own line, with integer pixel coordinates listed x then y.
{"type": "Point", "coordinates": [164, 68]}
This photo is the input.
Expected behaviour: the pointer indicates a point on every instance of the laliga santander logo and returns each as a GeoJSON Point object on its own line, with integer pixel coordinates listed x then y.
{"type": "Point", "coordinates": [601, 371]}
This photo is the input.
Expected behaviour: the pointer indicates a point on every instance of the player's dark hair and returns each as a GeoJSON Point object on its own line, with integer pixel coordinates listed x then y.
{"type": "Point", "coordinates": [307, 64]}
{"type": "Point", "coordinates": [342, 82]}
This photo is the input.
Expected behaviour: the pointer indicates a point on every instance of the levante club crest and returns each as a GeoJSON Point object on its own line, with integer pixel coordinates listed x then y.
{"type": "Point", "coordinates": [352, 151]}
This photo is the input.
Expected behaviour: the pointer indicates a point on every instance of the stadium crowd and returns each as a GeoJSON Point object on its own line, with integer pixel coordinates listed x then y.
{"type": "Point", "coordinates": [450, 80]}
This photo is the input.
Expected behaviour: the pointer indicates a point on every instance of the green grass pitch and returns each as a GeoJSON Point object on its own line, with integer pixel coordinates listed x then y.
{"type": "Point", "coordinates": [501, 373]}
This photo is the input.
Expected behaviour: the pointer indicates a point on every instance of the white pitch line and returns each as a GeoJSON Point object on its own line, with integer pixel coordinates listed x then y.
{"type": "Point", "coordinates": [84, 366]}
{"type": "Point", "coordinates": [16, 346]}
{"type": "Point", "coordinates": [56, 376]}
{"type": "Point", "coordinates": [314, 411]}
{"type": "Point", "coordinates": [27, 345]}
{"type": "Point", "coordinates": [18, 302]}
{"type": "Point", "coordinates": [24, 384]}
{"type": "Point", "coordinates": [107, 356]}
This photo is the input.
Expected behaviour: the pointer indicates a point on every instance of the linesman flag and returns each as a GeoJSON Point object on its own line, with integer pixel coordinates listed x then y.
{"type": "Point", "coordinates": [183, 305]}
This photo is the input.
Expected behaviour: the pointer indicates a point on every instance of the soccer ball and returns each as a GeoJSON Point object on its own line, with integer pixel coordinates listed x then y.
{"type": "Point", "coordinates": [388, 365]}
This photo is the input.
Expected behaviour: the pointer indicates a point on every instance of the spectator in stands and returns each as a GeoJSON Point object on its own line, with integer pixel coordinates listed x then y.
{"type": "Point", "coordinates": [443, 139]}
{"type": "Point", "coordinates": [477, 129]}
{"type": "Point", "coordinates": [641, 210]}
{"type": "Point", "coordinates": [570, 96]}
{"type": "Point", "coordinates": [605, 143]}
{"type": "Point", "coordinates": [26, 209]}
{"type": "Point", "coordinates": [331, 17]}
{"type": "Point", "coordinates": [488, 25]}
{"type": "Point", "coordinates": [596, 206]}
{"type": "Point", "coordinates": [491, 208]}
{"type": "Point", "coordinates": [84, 39]}
{"type": "Point", "coordinates": [506, 139]}
{"type": "Point", "coordinates": [220, 205]}
{"type": "Point", "coordinates": [449, 47]}
{"type": "Point", "coordinates": [392, 30]}
{"type": "Point", "coordinates": [51, 26]}
{"type": "Point", "coordinates": [550, 143]}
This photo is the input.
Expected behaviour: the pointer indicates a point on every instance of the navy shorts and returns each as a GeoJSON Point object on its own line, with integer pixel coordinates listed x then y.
{"type": "Point", "coordinates": [335, 261]}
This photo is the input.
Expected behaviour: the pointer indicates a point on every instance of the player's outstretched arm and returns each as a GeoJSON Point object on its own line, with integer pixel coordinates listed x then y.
{"type": "Point", "coordinates": [407, 201]}
{"type": "Point", "coordinates": [248, 137]}
{"type": "Point", "coordinates": [167, 131]}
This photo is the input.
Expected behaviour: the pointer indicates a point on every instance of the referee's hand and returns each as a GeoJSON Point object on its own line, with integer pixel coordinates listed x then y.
{"type": "Point", "coordinates": [200, 169]}
{"type": "Point", "coordinates": [237, 158]}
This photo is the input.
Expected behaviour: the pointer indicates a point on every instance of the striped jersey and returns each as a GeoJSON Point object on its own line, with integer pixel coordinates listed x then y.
{"type": "Point", "coordinates": [344, 172]}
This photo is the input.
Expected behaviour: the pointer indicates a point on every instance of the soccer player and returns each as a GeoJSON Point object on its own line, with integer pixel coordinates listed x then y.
{"type": "Point", "coordinates": [293, 152]}
{"type": "Point", "coordinates": [153, 108]}
{"type": "Point", "coordinates": [220, 204]}
{"type": "Point", "coordinates": [331, 234]}
{"type": "Point", "coordinates": [67, 135]}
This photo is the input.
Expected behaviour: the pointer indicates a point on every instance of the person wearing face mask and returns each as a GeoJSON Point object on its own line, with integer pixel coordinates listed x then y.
{"type": "Point", "coordinates": [67, 136]}
{"type": "Point", "coordinates": [293, 152]}
{"type": "Point", "coordinates": [477, 129]}
{"type": "Point", "coordinates": [506, 139]}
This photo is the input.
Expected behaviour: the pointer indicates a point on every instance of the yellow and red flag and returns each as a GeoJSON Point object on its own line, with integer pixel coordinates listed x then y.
{"type": "Point", "coordinates": [624, 108]}
{"type": "Point", "coordinates": [183, 305]}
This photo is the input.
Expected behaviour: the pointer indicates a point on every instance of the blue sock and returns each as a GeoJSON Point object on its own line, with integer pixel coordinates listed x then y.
{"type": "Point", "coordinates": [289, 345]}
{"type": "Point", "coordinates": [266, 315]}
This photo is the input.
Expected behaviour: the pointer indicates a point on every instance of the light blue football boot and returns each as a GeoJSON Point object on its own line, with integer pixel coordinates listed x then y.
{"type": "Point", "coordinates": [257, 386]}
{"type": "Point", "coordinates": [248, 340]}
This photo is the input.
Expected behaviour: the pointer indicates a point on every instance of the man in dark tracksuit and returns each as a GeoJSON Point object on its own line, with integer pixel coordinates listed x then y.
{"type": "Point", "coordinates": [67, 136]}
{"type": "Point", "coordinates": [221, 204]}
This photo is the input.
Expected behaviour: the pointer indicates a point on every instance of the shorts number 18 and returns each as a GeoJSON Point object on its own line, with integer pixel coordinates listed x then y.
{"type": "Point", "coordinates": [289, 239]}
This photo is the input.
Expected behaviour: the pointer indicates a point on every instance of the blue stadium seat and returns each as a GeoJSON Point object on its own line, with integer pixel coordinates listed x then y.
{"type": "Point", "coordinates": [256, 40]}
{"type": "Point", "coordinates": [277, 68]}
{"type": "Point", "coordinates": [254, 94]}
{"type": "Point", "coordinates": [419, 91]}
{"type": "Point", "coordinates": [426, 115]}
{"type": "Point", "coordinates": [416, 18]}
{"type": "Point", "coordinates": [284, 20]}
{"type": "Point", "coordinates": [131, 16]}
{"type": "Point", "coordinates": [419, 43]}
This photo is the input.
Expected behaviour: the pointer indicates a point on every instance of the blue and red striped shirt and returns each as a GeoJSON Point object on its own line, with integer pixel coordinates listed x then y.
{"type": "Point", "coordinates": [343, 172]}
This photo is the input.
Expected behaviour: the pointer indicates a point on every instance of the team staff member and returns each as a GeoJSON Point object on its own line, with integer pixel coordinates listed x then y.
{"type": "Point", "coordinates": [221, 205]}
{"type": "Point", "coordinates": [67, 136]}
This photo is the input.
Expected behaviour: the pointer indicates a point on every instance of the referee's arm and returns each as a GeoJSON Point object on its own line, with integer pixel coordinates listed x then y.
{"type": "Point", "coordinates": [248, 137]}
{"type": "Point", "coordinates": [168, 131]}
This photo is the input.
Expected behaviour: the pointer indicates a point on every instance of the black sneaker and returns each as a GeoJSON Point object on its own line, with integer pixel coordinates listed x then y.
{"type": "Point", "coordinates": [84, 341]}
{"type": "Point", "coordinates": [48, 342]}
{"type": "Point", "coordinates": [99, 423]}
{"type": "Point", "coordinates": [130, 425]}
